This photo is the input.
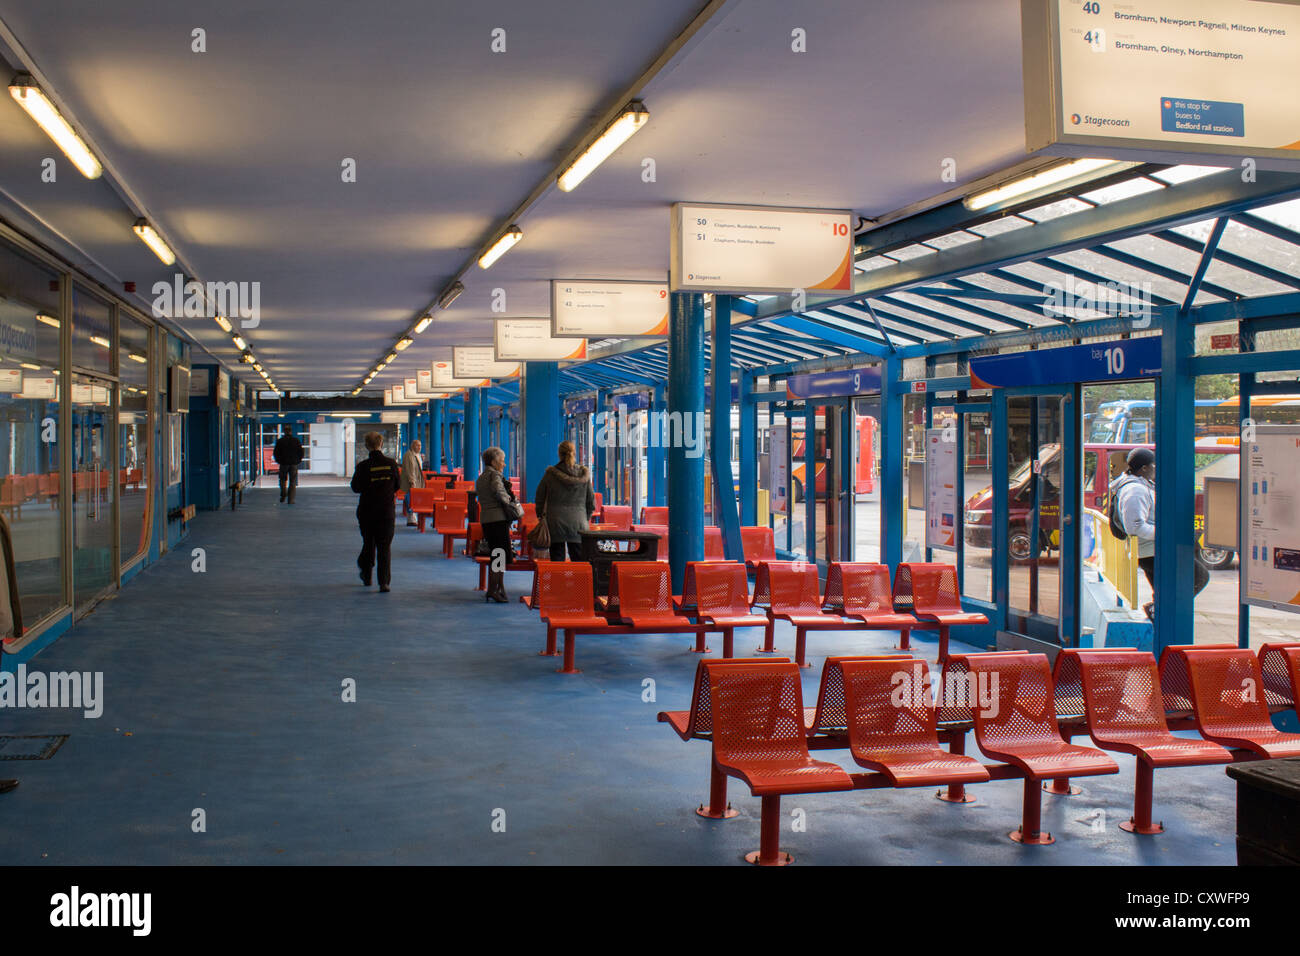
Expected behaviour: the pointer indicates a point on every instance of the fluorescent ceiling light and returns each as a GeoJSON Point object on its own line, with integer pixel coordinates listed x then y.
{"type": "Point", "coordinates": [404, 343]}
{"type": "Point", "coordinates": [223, 322]}
{"type": "Point", "coordinates": [246, 358]}
{"type": "Point", "coordinates": [149, 236]}
{"type": "Point", "coordinates": [633, 117]}
{"type": "Point", "coordinates": [47, 319]}
{"type": "Point", "coordinates": [499, 248]}
{"type": "Point", "coordinates": [451, 293]}
{"type": "Point", "coordinates": [100, 340]}
{"type": "Point", "coordinates": [48, 118]}
{"type": "Point", "coordinates": [390, 357]}
{"type": "Point", "coordinates": [29, 365]}
{"type": "Point", "coordinates": [240, 343]}
{"type": "Point", "coordinates": [423, 324]}
{"type": "Point", "coordinates": [137, 357]}
{"type": "Point", "coordinates": [1038, 181]}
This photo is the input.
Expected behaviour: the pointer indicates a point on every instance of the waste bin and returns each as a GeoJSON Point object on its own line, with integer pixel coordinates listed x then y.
{"type": "Point", "coordinates": [600, 549]}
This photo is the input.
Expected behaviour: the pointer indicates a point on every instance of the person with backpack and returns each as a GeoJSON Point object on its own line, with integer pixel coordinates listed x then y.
{"type": "Point", "coordinates": [1133, 515]}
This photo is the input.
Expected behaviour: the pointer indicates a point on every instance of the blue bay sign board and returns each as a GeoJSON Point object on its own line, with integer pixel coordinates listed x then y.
{"type": "Point", "coordinates": [852, 381]}
{"type": "Point", "coordinates": [1098, 362]}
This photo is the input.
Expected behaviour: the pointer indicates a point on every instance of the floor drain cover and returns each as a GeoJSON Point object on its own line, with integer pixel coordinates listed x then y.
{"type": "Point", "coordinates": [30, 748]}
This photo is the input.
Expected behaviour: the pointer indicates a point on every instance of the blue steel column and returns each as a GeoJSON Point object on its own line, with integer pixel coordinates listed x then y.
{"type": "Point", "coordinates": [435, 434]}
{"type": "Point", "coordinates": [748, 452]}
{"type": "Point", "coordinates": [893, 434]}
{"type": "Point", "coordinates": [539, 422]}
{"type": "Point", "coordinates": [1245, 390]}
{"type": "Point", "coordinates": [473, 401]}
{"type": "Point", "coordinates": [810, 478]}
{"type": "Point", "coordinates": [600, 452]}
{"type": "Point", "coordinates": [1175, 491]}
{"type": "Point", "coordinates": [655, 451]}
{"type": "Point", "coordinates": [724, 494]}
{"type": "Point", "coordinates": [485, 424]}
{"type": "Point", "coordinates": [685, 407]}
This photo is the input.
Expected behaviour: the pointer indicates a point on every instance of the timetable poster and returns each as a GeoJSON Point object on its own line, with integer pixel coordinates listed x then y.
{"type": "Point", "coordinates": [1270, 550]}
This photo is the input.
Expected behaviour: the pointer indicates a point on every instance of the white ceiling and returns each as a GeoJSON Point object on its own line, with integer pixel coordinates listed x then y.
{"type": "Point", "coordinates": [236, 152]}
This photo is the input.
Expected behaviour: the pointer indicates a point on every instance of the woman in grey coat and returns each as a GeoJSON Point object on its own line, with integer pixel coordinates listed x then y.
{"type": "Point", "coordinates": [566, 500]}
{"type": "Point", "coordinates": [497, 509]}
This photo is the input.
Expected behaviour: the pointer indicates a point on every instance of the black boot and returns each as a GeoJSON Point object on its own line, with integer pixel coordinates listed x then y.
{"type": "Point", "coordinates": [496, 590]}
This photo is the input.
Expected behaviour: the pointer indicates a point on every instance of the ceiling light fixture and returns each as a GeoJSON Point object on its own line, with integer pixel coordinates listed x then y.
{"type": "Point", "coordinates": [509, 239]}
{"type": "Point", "coordinates": [47, 319]}
{"type": "Point", "coordinates": [404, 343]}
{"type": "Point", "coordinates": [149, 236]}
{"type": "Point", "coordinates": [633, 117]}
{"type": "Point", "coordinates": [452, 293]}
{"type": "Point", "coordinates": [1040, 180]}
{"type": "Point", "coordinates": [389, 358]}
{"type": "Point", "coordinates": [223, 322]}
{"type": "Point", "coordinates": [48, 118]}
{"type": "Point", "coordinates": [137, 357]}
{"type": "Point", "coordinates": [240, 343]}
{"type": "Point", "coordinates": [423, 323]}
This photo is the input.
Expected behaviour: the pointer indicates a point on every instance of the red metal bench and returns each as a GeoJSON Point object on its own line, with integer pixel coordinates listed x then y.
{"type": "Point", "coordinates": [793, 591]}
{"type": "Point", "coordinates": [713, 546]}
{"type": "Point", "coordinates": [1020, 730]}
{"type": "Point", "coordinates": [640, 595]}
{"type": "Point", "coordinates": [863, 592]}
{"type": "Point", "coordinates": [654, 514]}
{"type": "Point", "coordinates": [930, 592]}
{"type": "Point", "coordinates": [1124, 713]}
{"type": "Point", "coordinates": [759, 737]}
{"type": "Point", "coordinates": [1280, 664]}
{"type": "Point", "coordinates": [722, 599]}
{"type": "Point", "coordinates": [424, 504]}
{"type": "Point", "coordinates": [759, 545]}
{"type": "Point", "coordinates": [1228, 702]}
{"type": "Point", "coordinates": [617, 516]}
{"type": "Point", "coordinates": [565, 602]}
{"type": "Point", "coordinates": [449, 521]}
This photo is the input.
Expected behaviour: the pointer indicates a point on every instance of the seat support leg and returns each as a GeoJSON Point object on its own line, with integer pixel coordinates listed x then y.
{"type": "Point", "coordinates": [728, 642]}
{"type": "Point", "coordinates": [718, 808]}
{"type": "Point", "coordinates": [800, 642]}
{"type": "Point", "coordinates": [905, 640]}
{"type": "Point", "coordinates": [482, 578]}
{"type": "Point", "coordinates": [769, 850]}
{"type": "Point", "coordinates": [550, 650]}
{"type": "Point", "coordinates": [1031, 822]}
{"type": "Point", "coordinates": [700, 647]}
{"type": "Point", "coordinates": [1061, 786]}
{"type": "Point", "coordinates": [769, 637]}
{"type": "Point", "coordinates": [956, 792]}
{"type": "Point", "coordinates": [943, 643]}
{"type": "Point", "coordinates": [1142, 797]}
{"type": "Point", "coordinates": [570, 645]}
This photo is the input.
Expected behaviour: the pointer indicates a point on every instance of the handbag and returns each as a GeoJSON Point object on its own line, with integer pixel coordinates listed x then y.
{"type": "Point", "coordinates": [540, 536]}
{"type": "Point", "coordinates": [516, 510]}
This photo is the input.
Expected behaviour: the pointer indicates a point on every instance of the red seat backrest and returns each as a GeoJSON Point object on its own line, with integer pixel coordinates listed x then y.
{"type": "Point", "coordinates": [926, 587]}
{"type": "Point", "coordinates": [1121, 693]}
{"type": "Point", "coordinates": [713, 547]}
{"type": "Point", "coordinates": [757, 713]}
{"type": "Point", "coordinates": [1175, 683]}
{"type": "Point", "coordinates": [1227, 691]}
{"type": "Point", "coordinates": [689, 591]}
{"type": "Point", "coordinates": [530, 512]}
{"type": "Point", "coordinates": [831, 716]}
{"type": "Point", "coordinates": [662, 531]}
{"type": "Point", "coordinates": [654, 514]}
{"type": "Point", "coordinates": [1016, 705]}
{"type": "Point", "coordinates": [449, 517]}
{"type": "Point", "coordinates": [1280, 664]}
{"type": "Point", "coordinates": [423, 499]}
{"type": "Point", "coordinates": [700, 723]}
{"type": "Point", "coordinates": [888, 705]}
{"type": "Point", "coordinates": [618, 516]}
{"type": "Point", "coordinates": [640, 586]}
{"type": "Point", "coordinates": [859, 588]}
{"type": "Point", "coordinates": [758, 543]}
{"type": "Point", "coordinates": [564, 588]}
{"type": "Point", "coordinates": [721, 589]}
{"type": "Point", "coordinates": [794, 588]}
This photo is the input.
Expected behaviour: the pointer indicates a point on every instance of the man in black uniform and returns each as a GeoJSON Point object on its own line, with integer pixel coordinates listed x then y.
{"type": "Point", "coordinates": [375, 480]}
{"type": "Point", "coordinates": [287, 454]}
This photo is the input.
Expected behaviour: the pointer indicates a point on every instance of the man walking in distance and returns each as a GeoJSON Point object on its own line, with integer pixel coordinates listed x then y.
{"type": "Point", "coordinates": [412, 477]}
{"type": "Point", "coordinates": [375, 480]}
{"type": "Point", "coordinates": [288, 454]}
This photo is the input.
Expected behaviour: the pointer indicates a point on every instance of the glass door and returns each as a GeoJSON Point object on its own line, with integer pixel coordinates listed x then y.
{"type": "Point", "coordinates": [1037, 507]}
{"type": "Point", "coordinates": [94, 491]}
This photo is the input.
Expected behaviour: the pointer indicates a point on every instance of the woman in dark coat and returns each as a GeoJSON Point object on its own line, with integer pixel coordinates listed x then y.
{"type": "Point", "coordinates": [566, 500]}
{"type": "Point", "coordinates": [497, 510]}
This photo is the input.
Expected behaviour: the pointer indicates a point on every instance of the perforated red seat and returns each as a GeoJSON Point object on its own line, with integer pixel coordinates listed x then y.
{"type": "Point", "coordinates": [794, 592]}
{"type": "Point", "coordinates": [829, 718]}
{"type": "Point", "coordinates": [1016, 723]}
{"type": "Point", "coordinates": [449, 521]}
{"type": "Point", "coordinates": [1176, 685]}
{"type": "Point", "coordinates": [424, 503]}
{"type": "Point", "coordinates": [641, 597]}
{"type": "Point", "coordinates": [1228, 702]}
{"type": "Point", "coordinates": [697, 724]}
{"type": "Point", "coordinates": [864, 592]}
{"type": "Point", "coordinates": [722, 599]}
{"type": "Point", "coordinates": [930, 592]}
{"type": "Point", "coordinates": [713, 546]}
{"type": "Point", "coordinates": [892, 728]}
{"type": "Point", "coordinates": [617, 516]}
{"type": "Point", "coordinates": [759, 737]}
{"type": "Point", "coordinates": [1125, 713]}
{"type": "Point", "coordinates": [759, 544]}
{"type": "Point", "coordinates": [654, 514]}
{"type": "Point", "coordinates": [1280, 665]}
{"type": "Point", "coordinates": [562, 596]}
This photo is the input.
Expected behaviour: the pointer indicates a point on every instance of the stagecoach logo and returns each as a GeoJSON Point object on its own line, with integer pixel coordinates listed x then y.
{"type": "Point", "coordinates": [1126, 299]}
{"type": "Point", "coordinates": [14, 339]}
{"type": "Point", "coordinates": [181, 299]}
{"type": "Point", "coordinates": [659, 430]}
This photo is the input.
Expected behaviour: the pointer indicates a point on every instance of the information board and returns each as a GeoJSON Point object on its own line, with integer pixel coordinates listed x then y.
{"type": "Point", "coordinates": [1187, 78]}
{"type": "Point", "coordinates": [940, 490]}
{"type": "Point", "coordinates": [1098, 362]}
{"type": "Point", "coordinates": [779, 474]}
{"type": "Point", "coordinates": [599, 308]}
{"type": "Point", "coordinates": [478, 362]}
{"type": "Point", "coordinates": [11, 380]}
{"type": "Point", "coordinates": [759, 249]}
{"type": "Point", "coordinates": [40, 386]}
{"type": "Point", "coordinates": [530, 340]}
{"type": "Point", "coordinates": [1270, 518]}
{"type": "Point", "coordinates": [444, 379]}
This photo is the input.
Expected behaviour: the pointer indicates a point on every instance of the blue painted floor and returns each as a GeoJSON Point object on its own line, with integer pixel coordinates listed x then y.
{"type": "Point", "coordinates": [223, 692]}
